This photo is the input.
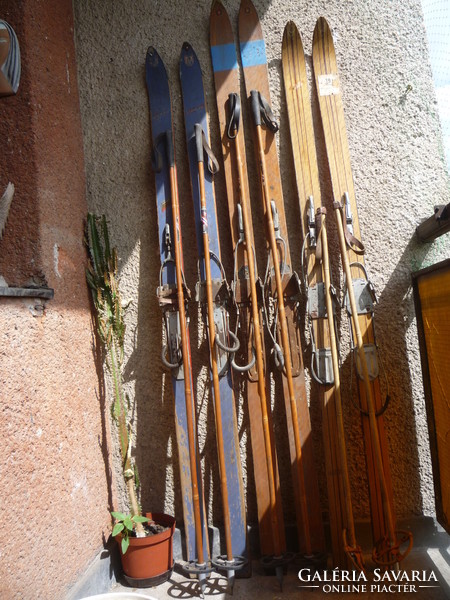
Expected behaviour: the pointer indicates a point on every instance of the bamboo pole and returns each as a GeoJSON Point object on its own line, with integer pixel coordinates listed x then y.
{"type": "Point", "coordinates": [213, 352]}
{"type": "Point", "coordinates": [367, 385]}
{"type": "Point", "coordinates": [190, 409]}
{"type": "Point", "coordinates": [351, 548]}
{"type": "Point", "coordinates": [258, 346]}
{"type": "Point", "coordinates": [282, 316]}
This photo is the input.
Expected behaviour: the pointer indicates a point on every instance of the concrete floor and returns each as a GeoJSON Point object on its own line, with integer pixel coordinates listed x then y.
{"type": "Point", "coordinates": [431, 553]}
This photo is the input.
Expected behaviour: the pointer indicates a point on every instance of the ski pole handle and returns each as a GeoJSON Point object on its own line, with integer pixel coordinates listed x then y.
{"type": "Point", "coordinates": [234, 103]}
{"type": "Point", "coordinates": [256, 107]}
{"type": "Point", "coordinates": [198, 132]}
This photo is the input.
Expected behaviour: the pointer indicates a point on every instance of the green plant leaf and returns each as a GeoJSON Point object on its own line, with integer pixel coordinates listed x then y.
{"type": "Point", "coordinates": [118, 527]}
{"type": "Point", "coordinates": [125, 543]}
{"type": "Point", "coordinates": [106, 239]}
{"type": "Point", "coordinates": [118, 515]}
{"type": "Point", "coordinates": [140, 519]}
{"type": "Point", "coordinates": [94, 244]}
{"type": "Point", "coordinates": [128, 523]}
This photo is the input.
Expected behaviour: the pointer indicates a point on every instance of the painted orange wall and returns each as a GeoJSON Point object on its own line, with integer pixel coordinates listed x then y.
{"type": "Point", "coordinates": [55, 482]}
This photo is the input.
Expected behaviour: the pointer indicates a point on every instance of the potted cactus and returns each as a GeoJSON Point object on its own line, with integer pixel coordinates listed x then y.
{"type": "Point", "coordinates": [145, 542]}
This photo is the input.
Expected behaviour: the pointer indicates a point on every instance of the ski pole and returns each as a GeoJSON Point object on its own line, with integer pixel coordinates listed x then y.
{"type": "Point", "coordinates": [257, 106]}
{"type": "Point", "coordinates": [278, 560]}
{"type": "Point", "coordinates": [387, 509]}
{"type": "Point", "coordinates": [200, 566]}
{"type": "Point", "coordinates": [352, 549]}
{"type": "Point", "coordinates": [213, 355]}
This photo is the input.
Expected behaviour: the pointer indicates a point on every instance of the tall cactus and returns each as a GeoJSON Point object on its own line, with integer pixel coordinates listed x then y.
{"type": "Point", "coordinates": [102, 279]}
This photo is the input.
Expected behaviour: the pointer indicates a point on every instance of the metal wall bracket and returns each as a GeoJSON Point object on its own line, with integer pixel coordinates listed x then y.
{"type": "Point", "coordinates": [27, 292]}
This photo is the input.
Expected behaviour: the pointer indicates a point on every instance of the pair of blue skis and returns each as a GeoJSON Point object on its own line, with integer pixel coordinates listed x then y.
{"type": "Point", "coordinates": [213, 293]}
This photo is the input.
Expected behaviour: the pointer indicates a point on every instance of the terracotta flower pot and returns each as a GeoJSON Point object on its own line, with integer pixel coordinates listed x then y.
{"type": "Point", "coordinates": [149, 560]}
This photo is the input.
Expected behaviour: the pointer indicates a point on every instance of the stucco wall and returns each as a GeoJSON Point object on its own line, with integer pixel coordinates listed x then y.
{"type": "Point", "coordinates": [56, 488]}
{"type": "Point", "coordinates": [399, 173]}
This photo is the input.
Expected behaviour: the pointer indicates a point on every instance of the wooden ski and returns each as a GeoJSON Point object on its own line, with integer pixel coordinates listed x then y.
{"type": "Point", "coordinates": [226, 78]}
{"type": "Point", "coordinates": [214, 295]}
{"type": "Point", "coordinates": [284, 288]}
{"type": "Point", "coordinates": [321, 301]}
{"type": "Point", "coordinates": [360, 302]}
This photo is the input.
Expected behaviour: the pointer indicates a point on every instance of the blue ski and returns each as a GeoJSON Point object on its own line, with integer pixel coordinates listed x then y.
{"type": "Point", "coordinates": [212, 292]}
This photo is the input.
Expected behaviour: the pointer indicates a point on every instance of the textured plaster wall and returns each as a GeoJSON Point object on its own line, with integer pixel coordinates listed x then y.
{"type": "Point", "coordinates": [55, 489]}
{"type": "Point", "coordinates": [399, 172]}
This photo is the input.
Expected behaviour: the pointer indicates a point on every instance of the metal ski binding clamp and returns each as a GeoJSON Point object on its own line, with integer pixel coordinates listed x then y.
{"type": "Point", "coordinates": [278, 357]}
{"type": "Point", "coordinates": [311, 223]}
{"type": "Point", "coordinates": [365, 295]}
{"type": "Point", "coordinates": [240, 223]}
{"type": "Point", "coordinates": [173, 345]}
{"type": "Point", "coordinates": [276, 220]}
{"type": "Point", "coordinates": [321, 359]}
{"type": "Point", "coordinates": [348, 212]}
{"type": "Point", "coordinates": [284, 268]}
{"type": "Point", "coordinates": [322, 366]}
{"type": "Point", "coordinates": [316, 301]}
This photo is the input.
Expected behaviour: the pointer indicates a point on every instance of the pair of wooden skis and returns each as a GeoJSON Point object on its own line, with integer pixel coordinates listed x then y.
{"type": "Point", "coordinates": [360, 298]}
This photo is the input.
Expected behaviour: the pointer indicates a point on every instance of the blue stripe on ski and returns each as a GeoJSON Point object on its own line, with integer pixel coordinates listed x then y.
{"type": "Point", "coordinates": [161, 122]}
{"type": "Point", "coordinates": [253, 53]}
{"type": "Point", "coordinates": [224, 57]}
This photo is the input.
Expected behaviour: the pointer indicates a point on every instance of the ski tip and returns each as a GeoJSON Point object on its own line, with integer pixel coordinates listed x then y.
{"type": "Point", "coordinates": [248, 23]}
{"type": "Point", "coordinates": [152, 55]}
{"type": "Point", "coordinates": [247, 6]}
{"type": "Point", "coordinates": [217, 8]}
{"type": "Point", "coordinates": [322, 27]}
{"type": "Point", "coordinates": [220, 30]}
{"type": "Point", "coordinates": [247, 10]}
{"type": "Point", "coordinates": [188, 58]}
{"type": "Point", "coordinates": [186, 48]}
{"type": "Point", "coordinates": [290, 32]}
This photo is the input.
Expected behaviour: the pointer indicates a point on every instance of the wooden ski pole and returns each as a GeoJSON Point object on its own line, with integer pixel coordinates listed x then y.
{"type": "Point", "coordinates": [213, 355]}
{"type": "Point", "coordinates": [264, 177]}
{"type": "Point", "coordinates": [190, 408]}
{"type": "Point", "coordinates": [278, 559]}
{"type": "Point", "coordinates": [351, 547]}
{"type": "Point", "coordinates": [387, 509]}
